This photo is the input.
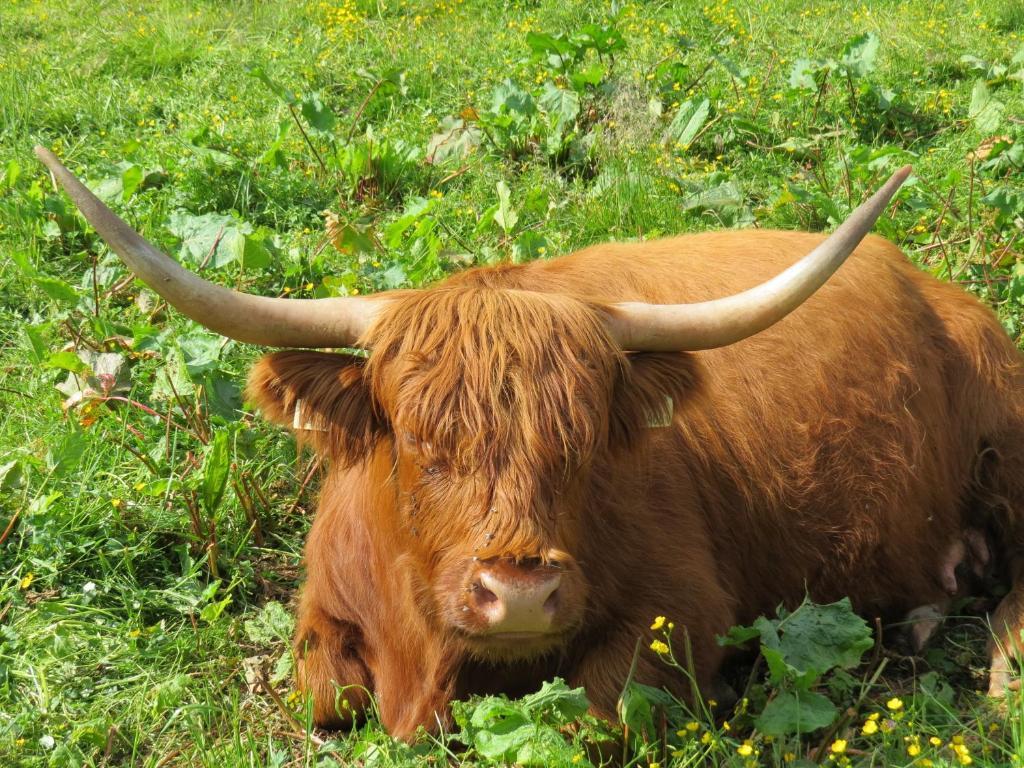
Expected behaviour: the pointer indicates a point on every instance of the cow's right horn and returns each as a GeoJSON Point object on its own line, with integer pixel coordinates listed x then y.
{"type": "Point", "coordinates": [708, 324]}
{"type": "Point", "coordinates": [333, 322]}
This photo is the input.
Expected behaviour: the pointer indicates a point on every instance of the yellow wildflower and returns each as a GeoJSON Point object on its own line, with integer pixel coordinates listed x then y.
{"type": "Point", "coordinates": [838, 746]}
{"type": "Point", "coordinates": [745, 749]}
{"type": "Point", "coordinates": [935, 741]}
{"type": "Point", "coordinates": [895, 704]}
{"type": "Point", "coordinates": [659, 647]}
{"type": "Point", "coordinates": [659, 622]}
{"type": "Point", "coordinates": [914, 750]}
{"type": "Point", "coordinates": [870, 727]}
{"type": "Point", "coordinates": [26, 580]}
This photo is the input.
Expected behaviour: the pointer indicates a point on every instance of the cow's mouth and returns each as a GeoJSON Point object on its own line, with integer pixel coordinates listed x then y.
{"type": "Point", "coordinates": [513, 646]}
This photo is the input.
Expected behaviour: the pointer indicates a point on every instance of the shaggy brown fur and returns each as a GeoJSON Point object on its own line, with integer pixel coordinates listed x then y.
{"type": "Point", "coordinates": [835, 452]}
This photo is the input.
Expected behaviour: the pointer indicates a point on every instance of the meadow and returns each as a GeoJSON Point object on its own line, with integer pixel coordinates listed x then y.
{"type": "Point", "coordinates": [151, 524]}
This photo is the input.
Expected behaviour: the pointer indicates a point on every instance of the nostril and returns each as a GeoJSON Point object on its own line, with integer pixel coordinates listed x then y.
{"type": "Point", "coordinates": [483, 596]}
{"type": "Point", "coordinates": [551, 604]}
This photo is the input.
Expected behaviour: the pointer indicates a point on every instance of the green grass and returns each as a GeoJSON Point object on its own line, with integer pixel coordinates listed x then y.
{"type": "Point", "coordinates": [134, 627]}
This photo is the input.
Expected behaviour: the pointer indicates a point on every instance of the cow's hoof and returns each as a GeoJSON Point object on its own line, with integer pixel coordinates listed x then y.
{"type": "Point", "coordinates": [922, 623]}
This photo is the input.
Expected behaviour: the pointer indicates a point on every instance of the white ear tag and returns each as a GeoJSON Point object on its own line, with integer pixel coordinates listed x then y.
{"type": "Point", "coordinates": [663, 416]}
{"type": "Point", "coordinates": [298, 423]}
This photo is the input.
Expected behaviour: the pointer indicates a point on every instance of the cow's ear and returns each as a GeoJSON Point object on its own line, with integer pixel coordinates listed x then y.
{"type": "Point", "coordinates": [650, 391]}
{"type": "Point", "coordinates": [323, 398]}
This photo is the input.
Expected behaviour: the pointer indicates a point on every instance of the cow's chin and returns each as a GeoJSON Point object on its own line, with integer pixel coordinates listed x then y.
{"type": "Point", "coordinates": [507, 647]}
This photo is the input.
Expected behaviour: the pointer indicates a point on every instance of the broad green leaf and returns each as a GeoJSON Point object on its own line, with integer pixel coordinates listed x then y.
{"type": "Point", "coordinates": [212, 611]}
{"type": "Point", "coordinates": [456, 138]}
{"type": "Point", "coordinates": [66, 361]}
{"type": "Point", "coordinates": [1008, 203]}
{"type": "Point", "coordinates": [275, 155]}
{"type": "Point", "coordinates": [859, 55]}
{"type": "Point", "coordinates": [12, 174]}
{"type": "Point", "coordinates": [255, 253]}
{"type": "Point", "coordinates": [726, 195]}
{"type": "Point", "coordinates": [604, 40]}
{"type": "Point", "coordinates": [792, 712]}
{"type": "Point", "coordinates": [537, 201]}
{"type": "Point", "coordinates": [222, 394]}
{"type": "Point", "coordinates": [508, 97]}
{"type": "Point", "coordinates": [57, 290]}
{"type": "Point", "coordinates": [12, 476]}
{"type": "Point", "coordinates": [557, 699]}
{"type": "Point", "coordinates": [415, 209]}
{"type": "Point", "coordinates": [505, 216]}
{"type": "Point", "coordinates": [36, 342]}
{"type": "Point", "coordinates": [985, 110]}
{"type": "Point", "coordinates": [352, 238]}
{"type": "Point", "coordinates": [813, 639]}
{"type": "Point", "coordinates": [201, 351]}
{"type": "Point", "coordinates": [540, 42]}
{"type": "Point", "coordinates": [503, 737]}
{"type": "Point", "coordinates": [688, 121]}
{"type": "Point", "coordinates": [735, 70]}
{"type": "Point", "coordinates": [592, 76]}
{"type": "Point", "coordinates": [801, 75]}
{"type": "Point", "coordinates": [173, 381]}
{"type": "Point", "coordinates": [562, 106]}
{"type": "Point", "coordinates": [394, 277]}
{"type": "Point", "coordinates": [67, 454]}
{"type": "Point", "coordinates": [1016, 286]}
{"type": "Point", "coordinates": [210, 239]}
{"type": "Point", "coordinates": [529, 245]}
{"type": "Point", "coordinates": [131, 180]}
{"type": "Point", "coordinates": [216, 466]}
{"type": "Point", "coordinates": [272, 624]}
{"type": "Point", "coordinates": [739, 636]}
{"type": "Point", "coordinates": [23, 262]}
{"type": "Point", "coordinates": [278, 90]}
{"type": "Point", "coordinates": [319, 117]}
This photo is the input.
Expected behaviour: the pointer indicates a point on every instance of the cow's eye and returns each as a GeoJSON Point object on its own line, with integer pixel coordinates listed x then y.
{"type": "Point", "coordinates": [433, 470]}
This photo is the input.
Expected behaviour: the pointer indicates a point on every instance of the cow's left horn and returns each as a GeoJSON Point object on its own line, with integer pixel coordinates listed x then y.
{"type": "Point", "coordinates": [334, 322]}
{"type": "Point", "coordinates": [717, 323]}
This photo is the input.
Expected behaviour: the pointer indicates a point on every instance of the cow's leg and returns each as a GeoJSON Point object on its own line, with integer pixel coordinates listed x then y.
{"type": "Point", "coordinates": [329, 667]}
{"type": "Point", "coordinates": [1006, 644]}
{"type": "Point", "coordinates": [1002, 489]}
{"type": "Point", "coordinates": [921, 623]}
{"type": "Point", "coordinates": [964, 565]}
{"type": "Point", "coordinates": [603, 672]}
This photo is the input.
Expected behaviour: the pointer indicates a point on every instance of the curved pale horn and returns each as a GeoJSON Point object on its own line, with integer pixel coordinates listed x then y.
{"type": "Point", "coordinates": [717, 323]}
{"type": "Point", "coordinates": [334, 322]}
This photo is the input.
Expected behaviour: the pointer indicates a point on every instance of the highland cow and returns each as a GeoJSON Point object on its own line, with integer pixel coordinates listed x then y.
{"type": "Point", "coordinates": [536, 460]}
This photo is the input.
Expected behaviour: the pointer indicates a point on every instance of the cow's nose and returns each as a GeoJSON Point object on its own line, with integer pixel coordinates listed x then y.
{"type": "Point", "coordinates": [512, 599]}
